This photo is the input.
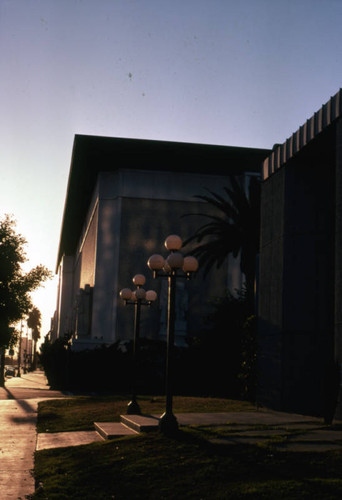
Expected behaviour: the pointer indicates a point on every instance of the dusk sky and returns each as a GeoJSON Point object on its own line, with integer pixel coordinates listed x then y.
{"type": "Point", "coordinates": [239, 73]}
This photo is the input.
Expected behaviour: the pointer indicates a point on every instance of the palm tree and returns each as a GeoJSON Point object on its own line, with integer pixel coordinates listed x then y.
{"type": "Point", "coordinates": [34, 322]}
{"type": "Point", "coordinates": [236, 230]}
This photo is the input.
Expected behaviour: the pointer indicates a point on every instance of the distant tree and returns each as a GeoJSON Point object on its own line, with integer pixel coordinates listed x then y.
{"type": "Point", "coordinates": [34, 321]}
{"type": "Point", "coordinates": [15, 284]}
{"type": "Point", "coordinates": [233, 230]}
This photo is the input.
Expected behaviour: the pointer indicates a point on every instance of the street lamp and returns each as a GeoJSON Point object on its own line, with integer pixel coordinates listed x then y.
{"type": "Point", "coordinates": [19, 350]}
{"type": "Point", "coordinates": [138, 298]}
{"type": "Point", "coordinates": [173, 267]}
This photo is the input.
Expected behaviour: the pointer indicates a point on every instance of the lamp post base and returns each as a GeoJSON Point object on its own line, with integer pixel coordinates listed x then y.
{"type": "Point", "coordinates": [133, 408]}
{"type": "Point", "coordinates": [168, 424]}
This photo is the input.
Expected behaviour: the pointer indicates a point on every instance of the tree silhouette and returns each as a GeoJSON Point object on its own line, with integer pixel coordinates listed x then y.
{"type": "Point", "coordinates": [234, 230]}
{"type": "Point", "coordinates": [15, 285]}
{"type": "Point", "coordinates": [34, 321]}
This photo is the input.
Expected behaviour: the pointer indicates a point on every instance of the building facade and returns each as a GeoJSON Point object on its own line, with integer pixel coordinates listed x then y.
{"type": "Point", "coordinates": [124, 197]}
{"type": "Point", "coordinates": [300, 284]}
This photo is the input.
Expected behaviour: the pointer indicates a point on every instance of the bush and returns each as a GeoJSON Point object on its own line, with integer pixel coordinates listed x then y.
{"type": "Point", "coordinates": [220, 361]}
{"type": "Point", "coordinates": [223, 355]}
{"type": "Point", "coordinates": [105, 369]}
{"type": "Point", "coordinates": [248, 372]}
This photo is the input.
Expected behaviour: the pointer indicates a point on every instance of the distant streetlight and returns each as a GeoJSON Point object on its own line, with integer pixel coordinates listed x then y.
{"type": "Point", "coordinates": [173, 267]}
{"type": "Point", "coordinates": [138, 298]}
{"type": "Point", "coordinates": [19, 350]}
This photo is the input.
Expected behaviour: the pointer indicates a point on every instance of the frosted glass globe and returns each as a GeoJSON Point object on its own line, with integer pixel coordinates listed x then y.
{"type": "Point", "coordinates": [140, 293]}
{"type": "Point", "coordinates": [151, 295]}
{"type": "Point", "coordinates": [139, 279]}
{"type": "Point", "coordinates": [175, 260]}
{"type": "Point", "coordinates": [190, 264]}
{"type": "Point", "coordinates": [126, 294]}
{"type": "Point", "coordinates": [156, 262]}
{"type": "Point", "coordinates": [173, 242]}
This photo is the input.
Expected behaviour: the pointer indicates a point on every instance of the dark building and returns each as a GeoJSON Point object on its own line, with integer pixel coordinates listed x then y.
{"type": "Point", "coordinates": [300, 287]}
{"type": "Point", "coordinates": [124, 197]}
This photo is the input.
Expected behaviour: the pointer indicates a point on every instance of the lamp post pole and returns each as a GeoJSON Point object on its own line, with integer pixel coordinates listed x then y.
{"type": "Point", "coordinates": [168, 421]}
{"type": "Point", "coordinates": [173, 267]}
{"type": "Point", "coordinates": [133, 407]}
{"type": "Point", "coordinates": [138, 298]}
{"type": "Point", "coordinates": [19, 350]}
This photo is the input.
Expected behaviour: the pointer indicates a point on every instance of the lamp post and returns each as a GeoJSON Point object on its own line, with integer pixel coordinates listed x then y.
{"type": "Point", "coordinates": [19, 350]}
{"type": "Point", "coordinates": [173, 267]}
{"type": "Point", "coordinates": [138, 298]}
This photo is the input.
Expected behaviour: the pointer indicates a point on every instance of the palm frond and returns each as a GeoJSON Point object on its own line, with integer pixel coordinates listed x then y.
{"type": "Point", "coordinates": [217, 201]}
{"type": "Point", "coordinates": [236, 230]}
{"type": "Point", "coordinates": [237, 197]}
{"type": "Point", "coordinates": [218, 229]}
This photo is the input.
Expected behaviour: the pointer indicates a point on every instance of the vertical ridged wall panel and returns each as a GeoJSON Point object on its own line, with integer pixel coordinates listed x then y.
{"type": "Point", "coordinates": [324, 117]}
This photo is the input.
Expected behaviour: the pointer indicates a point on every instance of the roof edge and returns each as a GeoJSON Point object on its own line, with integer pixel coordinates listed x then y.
{"type": "Point", "coordinates": [318, 122]}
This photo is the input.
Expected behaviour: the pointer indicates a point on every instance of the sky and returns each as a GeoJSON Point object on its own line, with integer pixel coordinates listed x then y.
{"type": "Point", "coordinates": [238, 73]}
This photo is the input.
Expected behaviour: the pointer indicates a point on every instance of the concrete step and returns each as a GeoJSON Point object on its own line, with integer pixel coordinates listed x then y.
{"type": "Point", "coordinates": [140, 423]}
{"type": "Point", "coordinates": [111, 430]}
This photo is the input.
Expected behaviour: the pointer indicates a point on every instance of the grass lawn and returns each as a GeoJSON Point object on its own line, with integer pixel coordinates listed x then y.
{"type": "Point", "coordinates": [80, 413]}
{"type": "Point", "coordinates": [188, 466]}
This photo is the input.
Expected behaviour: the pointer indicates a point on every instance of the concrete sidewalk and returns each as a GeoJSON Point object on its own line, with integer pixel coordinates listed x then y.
{"type": "Point", "coordinates": [18, 419]}
{"type": "Point", "coordinates": [32, 385]}
{"type": "Point", "coordinates": [283, 431]}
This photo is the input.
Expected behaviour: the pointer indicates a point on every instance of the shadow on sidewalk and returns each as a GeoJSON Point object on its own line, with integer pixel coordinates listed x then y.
{"type": "Point", "coordinates": [22, 402]}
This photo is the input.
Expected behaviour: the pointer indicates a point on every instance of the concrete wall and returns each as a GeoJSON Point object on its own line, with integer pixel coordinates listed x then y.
{"type": "Point", "coordinates": [138, 211]}
{"type": "Point", "coordinates": [271, 269]}
{"type": "Point", "coordinates": [308, 284]}
{"type": "Point", "coordinates": [144, 228]}
{"type": "Point", "coordinates": [131, 214]}
{"type": "Point", "coordinates": [65, 296]}
{"type": "Point", "coordinates": [297, 280]}
{"type": "Point", "coordinates": [338, 259]}
{"type": "Point", "coordinates": [107, 268]}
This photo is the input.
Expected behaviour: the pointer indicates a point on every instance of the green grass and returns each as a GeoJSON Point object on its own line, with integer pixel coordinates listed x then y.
{"type": "Point", "coordinates": [187, 466]}
{"type": "Point", "coordinates": [80, 413]}
{"type": "Point", "coordinates": [153, 466]}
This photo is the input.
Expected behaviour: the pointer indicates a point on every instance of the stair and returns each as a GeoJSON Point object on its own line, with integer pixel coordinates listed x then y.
{"type": "Point", "coordinates": [129, 425]}
{"type": "Point", "coordinates": [140, 423]}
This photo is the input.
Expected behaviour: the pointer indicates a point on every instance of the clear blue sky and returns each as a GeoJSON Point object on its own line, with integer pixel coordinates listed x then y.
{"type": "Point", "coordinates": [241, 73]}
